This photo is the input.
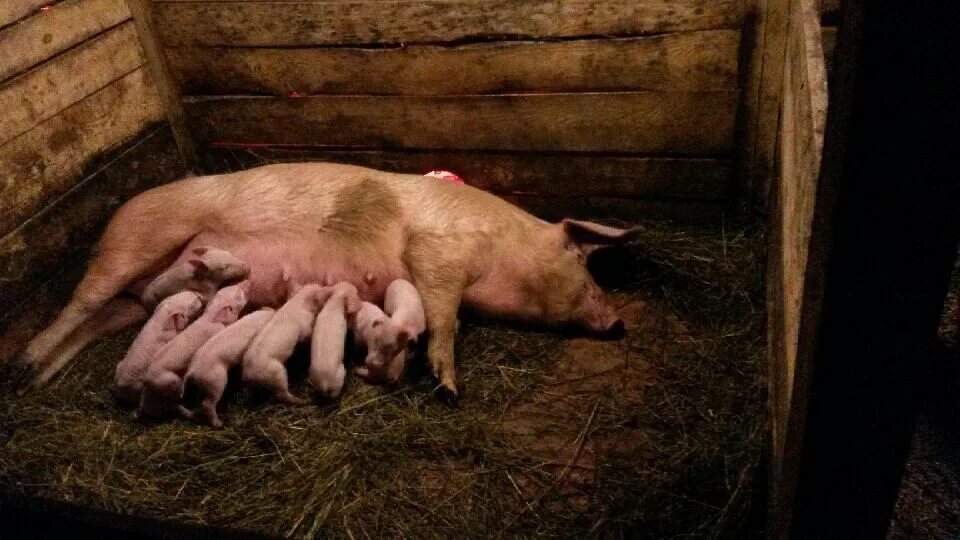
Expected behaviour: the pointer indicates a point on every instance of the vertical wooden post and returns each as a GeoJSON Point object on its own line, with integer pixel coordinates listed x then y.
{"type": "Point", "coordinates": [883, 241]}
{"type": "Point", "coordinates": [166, 87]}
{"type": "Point", "coordinates": [761, 112]}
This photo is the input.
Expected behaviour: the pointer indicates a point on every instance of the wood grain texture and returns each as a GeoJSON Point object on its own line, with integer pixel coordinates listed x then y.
{"type": "Point", "coordinates": [45, 162]}
{"type": "Point", "coordinates": [802, 124]}
{"type": "Point", "coordinates": [304, 23]}
{"type": "Point", "coordinates": [689, 61]}
{"type": "Point", "coordinates": [14, 10]}
{"type": "Point", "coordinates": [166, 87]}
{"type": "Point", "coordinates": [652, 122]}
{"type": "Point", "coordinates": [50, 32]}
{"type": "Point", "coordinates": [566, 175]}
{"type": "Point", "coordinates": [43, 92]}
{"type": "Point", "coordinates": [764, 88]}
{"type": "Point", "coordinates": [62, 234]}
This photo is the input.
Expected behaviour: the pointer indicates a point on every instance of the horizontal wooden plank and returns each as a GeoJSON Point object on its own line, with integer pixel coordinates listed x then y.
{"type": "Point", "coordinates": [557, 208]}
{"type": "Point", "coordinates": [48, 160]}
{"type": "Point", "coordinates": [46, 90]}
{"type": "Point", "coordinates": [520, 173]}
{"type": "Point", "coordinates": [687, 61]}
{"type": "Point", "coordinates": [55, 30]}
{"type": "Point", "coordinates": [62, 235]}
{"type": "Point", "coordinates": [305, 23]}
{"type": "Point", "coordinates": [646, 122]}
{"type": "Point", "coordinates": [14, 10]}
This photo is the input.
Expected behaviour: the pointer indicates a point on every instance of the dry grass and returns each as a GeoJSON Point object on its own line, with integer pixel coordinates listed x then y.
{"type": "Point", "coordinates": [657, 435]}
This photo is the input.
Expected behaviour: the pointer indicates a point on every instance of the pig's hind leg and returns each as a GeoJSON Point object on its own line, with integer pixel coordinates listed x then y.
{"type": "Point", "coordinates": [124, 254]}
{"type": "Point", "coordinates": [116, 315]}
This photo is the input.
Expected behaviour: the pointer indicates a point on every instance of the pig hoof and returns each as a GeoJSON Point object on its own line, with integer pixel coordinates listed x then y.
{"type": "Point", "coordinates": [447, 395]}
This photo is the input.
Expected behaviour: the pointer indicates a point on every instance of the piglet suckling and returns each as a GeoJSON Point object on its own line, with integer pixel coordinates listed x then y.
{"type": "Point", "coordinates": [327, 371]}
{"type": "Point", "coordinates": [169, 319]}
{"type": "Point", "coordinates": [213, 360]}
{"type": "Point", "coordinates": [264, 361]}
{"type": "Point", "coordinates": [163, 381]}
{"type": "Point", "coordinates": [402, 303]}
{"type": "Point", "coordinates": [380, 336]}
{"type": "Point", "coordinates": [203, 272]}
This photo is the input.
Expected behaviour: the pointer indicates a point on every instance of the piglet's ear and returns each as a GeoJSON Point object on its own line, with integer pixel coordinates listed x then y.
{"type": "Point", "coordinates": [176, 322]}
{"type": "Point", "coordinates": [590, 236]}
{"type": "Point", "coordinates": [200, 250]}
{"type": "Point", "coordinates": [200, 268]}
{"type": "Point", "coordinates": [224, 315]}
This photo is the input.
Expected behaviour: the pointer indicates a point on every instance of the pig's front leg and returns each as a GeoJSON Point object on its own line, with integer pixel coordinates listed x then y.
{"type": "Point", "coordinates": [441, 301]}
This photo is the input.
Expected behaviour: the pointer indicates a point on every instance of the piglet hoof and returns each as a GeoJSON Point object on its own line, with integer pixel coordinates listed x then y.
{"type": "Point", "coordinates": [185, 413]}
{"type": "Point", "coordinates": [290, 399]}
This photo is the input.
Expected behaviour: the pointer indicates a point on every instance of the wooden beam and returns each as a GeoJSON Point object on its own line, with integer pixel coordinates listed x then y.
{"type": "Point", "coordinates": [688, 61]}
{"type": "Point", "coordinates": [50, 32]}
{"type": "Point", "coordinates": [46, 90]}
{"type": "Point", "coordinates": [169, 93]}
{"type": "Point", "coordinates": [883, 242]}
{"type": "Point", "coordinates": [650, 122]}
{"type": "Point", "coordinates": [305, 23]}
{"type": "Point", "coordinates": [763, 89]}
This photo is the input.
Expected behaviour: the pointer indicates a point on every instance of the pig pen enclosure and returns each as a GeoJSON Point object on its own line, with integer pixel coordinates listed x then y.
{"type": "Point", "coordinates": [678, 115]}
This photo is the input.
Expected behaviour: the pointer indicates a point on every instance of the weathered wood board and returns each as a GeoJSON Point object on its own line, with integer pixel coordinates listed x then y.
{"type": "Point", "coordinates": [50, 32]}
{"type": "Point", "coordinates": [801, 128]}
{"type": "Point", "coordinates": [688, 61]}
{"type": "Point", "coordinates": [13, 10]}
{"type": "Point", "coordinates": [62, 235]}
{"type": "Point", "coordinates": [48, 160]}
{"type": "Point", "coordinates": [698, 123]}
{"type": "Point", "coordinates": [305, 23]}
{"type": "Point", "coordinates": [569, 175]}
{"type": "Point", "coordinates": [43, 92]}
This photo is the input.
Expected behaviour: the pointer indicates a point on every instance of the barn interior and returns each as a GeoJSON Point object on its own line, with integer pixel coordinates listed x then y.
{"type": "Point", "coordinates": [702, 120]}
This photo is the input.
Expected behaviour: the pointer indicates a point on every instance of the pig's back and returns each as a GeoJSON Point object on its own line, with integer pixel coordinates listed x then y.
{"type": "Point", "coordinates": [228, 345]}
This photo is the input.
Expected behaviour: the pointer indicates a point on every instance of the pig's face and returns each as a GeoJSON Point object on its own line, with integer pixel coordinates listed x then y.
{"type": "Point", "coordinates": [386, 341]}
{"type": "Point", "coordinates": [218, 265]}
{"type": "Point", "coordinates": [567, 293]}
{"type": "Point", "coordinates": [228, 303]}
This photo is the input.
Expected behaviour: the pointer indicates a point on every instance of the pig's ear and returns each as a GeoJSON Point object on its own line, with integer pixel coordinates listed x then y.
{"type": "Point", "coordinates": [177, 322]}
{"type": "Point", "coordinates": [200, 268]}
{"type": "Point", "coordinates": [590, 236]}
{"type": "Point", "coordinates": [200, 250]}
{"type": "Point", "coordinates": [224, 315]}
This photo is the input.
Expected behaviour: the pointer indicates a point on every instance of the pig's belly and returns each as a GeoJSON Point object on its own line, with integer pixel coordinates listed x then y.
{"type": "Point", "coordinates": [278, 265]}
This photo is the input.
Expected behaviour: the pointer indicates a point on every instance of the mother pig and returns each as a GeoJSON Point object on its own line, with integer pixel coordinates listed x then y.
{"type": "Point", "coordinates": [325, 223]}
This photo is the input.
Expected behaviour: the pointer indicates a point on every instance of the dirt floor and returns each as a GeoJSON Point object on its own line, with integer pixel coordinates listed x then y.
{"type": "Point", "coordinates": [660, 434]}
{"type": "Point", "coordinates": [929, 502]}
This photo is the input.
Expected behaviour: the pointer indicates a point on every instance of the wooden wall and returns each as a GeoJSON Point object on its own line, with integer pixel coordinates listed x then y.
{"type": "Point", "coordinates": [540, 100]}
{"type": "Point", "coordinates": [79, 110]}
{"type": "Point", "coordinates": [802, 120]}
